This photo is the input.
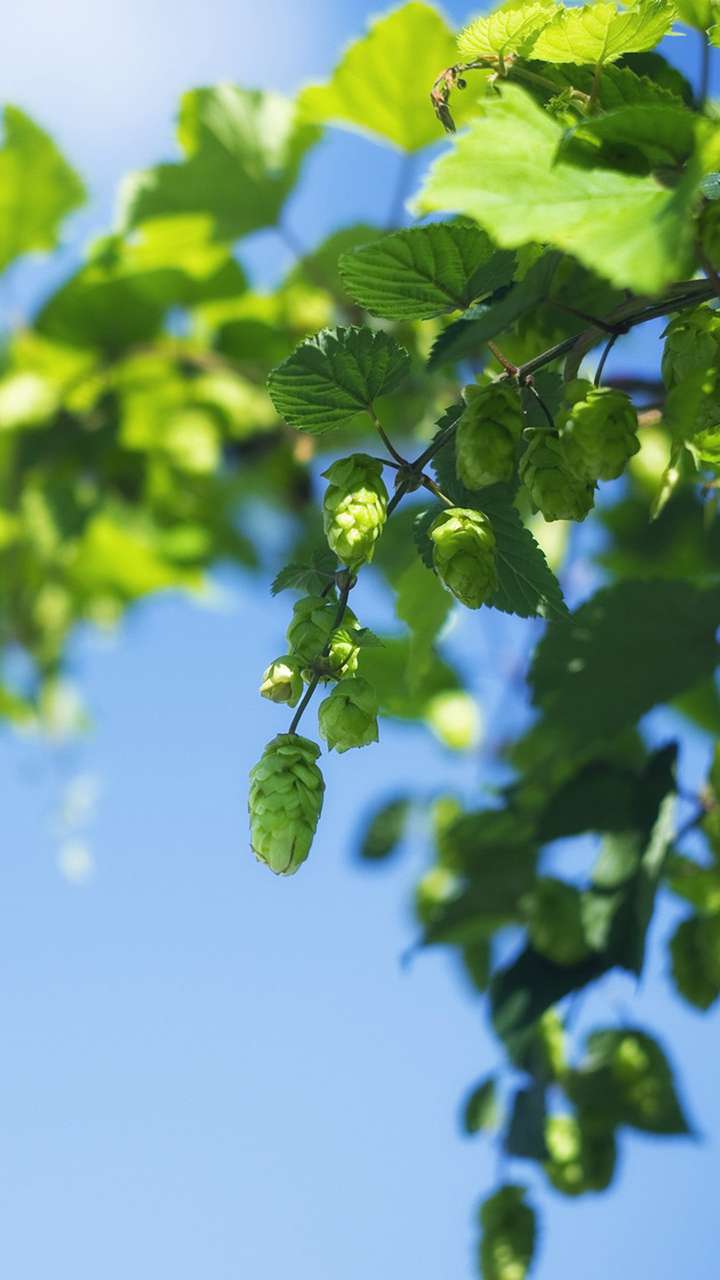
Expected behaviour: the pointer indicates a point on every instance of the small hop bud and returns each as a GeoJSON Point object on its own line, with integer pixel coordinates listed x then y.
{"type": "Point", "coordinates": [348, 716]}
{"type": "Point", "coordinates": [354, 508]}
{"type": "Point", "coordinates": [487, 435]}
{"type": "Point", "coordinates": [282, 681]}
{"type": "Point", "coordinates": [598, 429]}
{"type": "Point", "coordinates": [285, 801]}
{"type": "Point", "coordinates": [554, 486]}
{"type": "Point", "coordinates": [464, 555]}
{"type": "Point", "coordinates": [311, 631]}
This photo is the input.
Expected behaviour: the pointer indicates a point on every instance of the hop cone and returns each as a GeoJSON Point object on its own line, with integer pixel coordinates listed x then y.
{"type": "Point", "coordinates": [487, 435]}
{"type": "Point", "coordinates": [554, 486]}
{"type": "Point", "coordinates": [282, 681]}
{"type": "Point", "coordinates": [692, 345]}
{"type": "Point", "coordinates": [464, 555]}
{"type": "Point", "coordinates": [354, 508]}
{"type": "Point", "coordinates": [286, 795]}
{"type": "Point", "coordinates": [555, 922]}
{"type": "Point", "coordinates": [598, 431]}
{"type": "Point", "coordinates": [582, 1157]}
{"type": "Point", "coordinates": [348, 716]}
{"type": "Point", "coordinates": [312, 630]}
{"type": "Point", "coordinates": [508, 1239]}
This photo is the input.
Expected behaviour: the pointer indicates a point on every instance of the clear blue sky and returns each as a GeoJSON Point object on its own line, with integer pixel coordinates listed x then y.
{"type": "Point", "coordinates": [207, 1072]}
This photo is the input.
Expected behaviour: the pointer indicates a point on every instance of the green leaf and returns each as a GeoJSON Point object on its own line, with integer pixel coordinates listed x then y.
{"type": "Point", "coordinates": [699, 14]}
{"type": "Point", "coordinates": [525, 1137]}
{"type": "Point", "coordinates": [492, 899]}
{"type": "Point", "coordinates": [635, 139]}
{"type": "Point", "coordinates": [320, 266]}
{"type": "Point", "coordinates": [334, 376]}
{"type": "Point", "coordinates": [600, 33]}
{"type": "Point", "coordinates": [600, 797]}
{"type": "Point", "coordinates": [481, 1111]}
{"type": "Point", "coordinates": [503, 172]}
{"type": "Point", "coordinates": [531, 984]}
{"type": "Point", "coordinates": [243, 151]}
{"type": "Point", "coordinates": [695, 952]}
{"type": "Point", "coordinates": [385, 830]}
{"type": "Point", "coordinates": [698, 885]}
{"type": "Point", "coordinates": [425, 272]}
{"type": "Point", "coordinates": [312, 579]}
{"type": "Point", "coordinates": [38, 189]}
{"type": "Point", "coordinates": [466, 336]}
{"type": "Point", "coordinates": [423, 605]}
{"type": "Point", "coordinates": [507, 30]}
{"type": "Point", "coordinates": [382, 82]}
{"type": "Point", "coordinates": [627, 1080]}
{"type": "Point", "coordinates": [627, 649]}
{"type": "Point", "coordinates": [386, 668]}
{"type": "Point", "coordinates": [509, 1233]}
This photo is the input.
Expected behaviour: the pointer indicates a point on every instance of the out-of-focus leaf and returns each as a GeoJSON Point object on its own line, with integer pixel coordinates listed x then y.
{"type": "Point", "coordinates": [695, 952]}
{"type": "Point", "coordinates": [481, 1111]}
{"type": "Point", "coordinates": [626, 1079]}
{"type": "Point", "coordinates": [385, 829]}
{"type": "Point", "coordinates": [525, 1135]}
{"type": "Point", "coordinates": [38, 189]}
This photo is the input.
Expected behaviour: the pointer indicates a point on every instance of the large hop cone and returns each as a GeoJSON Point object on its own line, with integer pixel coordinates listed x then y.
{"type": "Point", "coordinates": [582, 1154]}
{"type": "Point", "coordinates": [354, 508]}
{"type": "Point", "coordinates": [348, 716]}
{"type": "Point", "coordinates": [555, 488]}
{"type": "Point", "coordinates": [508, 1235]}
{"type": "Point", "coordinates": [487, 435]}
{"type": "Point", "coordinates": [312, 631]}
{"type": "Point", "coordinates": [282, 681]}
{"type": "Point", "coordinates": [692, 345]}
{"type": "Point", "coordinates": [598, 430]}
{"type": "Point", "coordinates": [286, 795]}
{"type": "Point", "coordinates": [464, 554]}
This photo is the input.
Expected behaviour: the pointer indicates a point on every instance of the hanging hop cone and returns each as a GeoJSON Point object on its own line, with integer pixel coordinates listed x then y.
{"type": "Point", "coordinates": [282, 681]}
{"type": "Point", "coordinates": [692, 345]}
{"type": "Point", "coordinates": [487, 435]}
{"type": "Point", "coordinates": [464, 555]}
{"type": "Point", "coordinates": [508, 1235]}
{"type": "Point", "coordinates": [582, 1156]}
{"type": "Point", "coordinates": [554, 486]}
{"type": "Point", "coordinates": [598, 430]}
{"type": "Point", "coordinates": [286, 795]}
{"type": "Point", "coordinates": [354, 508]}
{"type": "Point", "coordinates": [311, 631]}
{"type": "Point", "coordinates": [348, 716]}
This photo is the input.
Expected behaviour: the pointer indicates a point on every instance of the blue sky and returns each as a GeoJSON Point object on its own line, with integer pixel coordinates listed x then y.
{"type": "Point", "coordinates": [207, 1071]}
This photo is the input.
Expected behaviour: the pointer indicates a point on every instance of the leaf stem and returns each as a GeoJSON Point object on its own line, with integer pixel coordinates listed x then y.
{"type": "Point", "coordinates": [603, 358]}
{"type": "Point", "coordinates": [386, 439]}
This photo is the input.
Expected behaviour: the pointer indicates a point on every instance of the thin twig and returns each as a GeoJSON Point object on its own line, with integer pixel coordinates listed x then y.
{"type": "Point", "coordinates": [403, 462]}
{"type": "Point", "coordinates": [603, 358]}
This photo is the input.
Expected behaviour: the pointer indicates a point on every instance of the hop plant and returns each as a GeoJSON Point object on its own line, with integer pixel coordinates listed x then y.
{"type": "Point", "coordinates": [692, 345]}
{"type": "Point", "coordinates": [464, 555]}
{"type": "Point", "coordinates": [555, 488]}
{"type": "Point", "coordinates": [354, 508]}
{"type": "Point", "coordinates": [286, 795]}
{"type": "Point", "coordinates": [348, 716]}
{"type": "Point", "coordinates": [582, 1157]}
{"type": "Point", "coordinates": [508, 1235]}
{"type": "Point", "coordinates": [282, 681]}
{"type": "Point", "coordinates": [487, 435]}
{"type": "Point", "coordinates": [598, 430]}
{"type": "Point", "coordinates": [312, 630]}
{"type": "Point", "coordinates": [554, 920]}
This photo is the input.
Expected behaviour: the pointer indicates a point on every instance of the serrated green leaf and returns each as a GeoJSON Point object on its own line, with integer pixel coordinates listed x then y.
{"type": "Point", "coordinates": [481, 1110]}
{"type": "Point", "coordinates": [503, 172]}
{"type": "Point", "coordinates": [600, 33]}
{"type": "Point", "coordinates": [312, 578]}
{"type": "Point", "coordinates": [382, 82]}
{"type": "Point", "coordinates": [629, 648]}
{"type": "Point", "coordinates": [38, 189]}
{"type": "Point", "coordinates": [636, 139]}
{"type": "Point", "coordinates": [695, 952]}
{"type": "Point", "coordinates": [426, 271]}
{"type": "Point", "coordinates": [334, 376]}
{"type": "Point", "coordinates": [243, 151]}
{"type": "Point", "coordinates": [507, 30]}
{"type": "Point", "coordinates": [385, 830]}
{"type": "Point", "coordinates": [699, 14]}
{"type": "Point", "coordinates": [527, 586]}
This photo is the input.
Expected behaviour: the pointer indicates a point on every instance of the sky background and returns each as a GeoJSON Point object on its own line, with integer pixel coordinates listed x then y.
{"type": "Point", "coordinates": [207, 1071]}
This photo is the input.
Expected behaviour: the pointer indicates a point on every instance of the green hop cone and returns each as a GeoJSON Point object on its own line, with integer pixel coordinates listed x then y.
{"type": "Point", "coordinates": [555, 488]}
{"type": "Point", "coordinates": [598, 430]}
{"type": "Point", "coordinates": [554, 919]}
{"type": "Point", "coordinates": [354, 508]}
{"type": "Point", "coordinates": [282, 681]}
{"type": "Point", "coordinates": [508, 1235]}
{"type": "Point", "coordinates": [487, 435]}
{"type": "Point", "coordinates": [286, 795]}
{"type": "Point", "coordinates": [464, 555]}
{"type": "Point", "coordinates": [692, 345]}
{"type": "Point", "coordinates": [312, 630]}
{"type": "Point", "coordinates": [582, 1157]}
{"type": "Point", "coordinates": [348, 716]}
